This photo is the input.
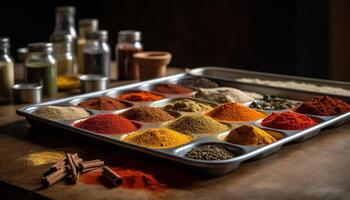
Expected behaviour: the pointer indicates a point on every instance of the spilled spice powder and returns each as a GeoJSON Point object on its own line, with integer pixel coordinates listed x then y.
{"type": "Point", "coordinates": [132, 179]}
{"type": "Point", "coordinates": [43, 158]}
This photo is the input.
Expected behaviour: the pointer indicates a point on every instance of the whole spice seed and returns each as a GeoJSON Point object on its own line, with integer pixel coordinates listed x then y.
{"type": "Point", "coordinates": [197, 124]}
{"type": "Point", "coordinates": [199, 83]}
{"type": "Point", "coordinates": [210, 152]}
{"type": "Point", "coordinates": [234, 112]}
{"type": "Point", "coordinates": [272, 103]}
{"type": "Point", "coordinates": [107, 124]}
{"type": "Point", "coordinates": [187, 105]}
{"type": "Point", "coordinates": [226, 94]}
{"type": "Point", "coordinates": [140, 96]}
{"type": "Point", "coordinates": [324, 106]}
{"type": "Point", "coordinates": [249, 135]}
{"type": "Point", "coordinates": [169, 88]}
{"type": "Point", "coordinates": [103, 103]}
{"type": "Point", "coordinates": [147, 114]}
{"type": "Point", "coordinates": [158, 138]}
{"type": "Point", "coordinates": [288, 121]}
{"type": "Point", "coordinates": [61, 112]}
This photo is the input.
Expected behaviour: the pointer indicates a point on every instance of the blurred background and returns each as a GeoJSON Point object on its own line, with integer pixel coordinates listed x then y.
{"type": "Point", "coordinates": [296, 37]}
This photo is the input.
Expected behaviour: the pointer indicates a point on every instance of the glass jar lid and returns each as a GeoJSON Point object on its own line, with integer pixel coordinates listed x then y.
{"type": "Point", "coordinates": [97, 35]}
{"type": "Point", "coordinates": [40, 47]}
{"type": "Point", "coordinates": [129, 36]}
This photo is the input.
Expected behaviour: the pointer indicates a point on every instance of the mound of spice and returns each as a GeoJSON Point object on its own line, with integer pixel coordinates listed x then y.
{"type": "Point", "coordinates": [140, 96]}
{"type": "Point", "coordinates": [169, 88]}
{"type": "Point", "coordinates": [197, 124]}
{"type": "Point", "coordinates": [188, 105]}
{"type": "Point", "coordinates": [132, 179]}
{"type": "Point", "coordinates": [61, 112]}
{"type": "Point", "coordinates": [103, 103]}
{"type": "Point", "coordinates": [147, 114]}
{"type": "Point", "coordinates": [158, 138]}
{"type": "Point", "coordinates": [210, 152]}
{"type": "Point", "coordinates": [272, 103]}
{"type": "Point", "coordinates": [234, 112]}
{"type": "Point", "coordinates": [199, 83]}
{"type": "Point", "coordinates": [43, 158]}
{"type": "Point", "coordinates": [324, 105]}
{"type": "Point", "coordinates": [226, 94]}
{"type": "Point", "coordinates": [107, 124]}
{"type": "Point", "coordinates": [288, 121]}
{"type": "Point", "coordinates": [250, 135]}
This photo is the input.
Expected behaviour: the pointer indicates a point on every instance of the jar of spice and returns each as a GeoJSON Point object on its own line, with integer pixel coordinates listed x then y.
{"type": "Point", "coordinates": [41, 67]}
{"type": "Point", "coordinates": [85, 26]}
{"type": "Point", "coordinates": [129, 42]}
{"type": "Point", "coordinates": [6, 69]}
{"type": "Point", "coordinates": [63, 53]}
{"type": "Point", "coordinates": [97, 53]}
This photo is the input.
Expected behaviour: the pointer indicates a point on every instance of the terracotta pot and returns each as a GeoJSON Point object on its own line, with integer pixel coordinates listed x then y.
{"type": "Point", "coordinates": [152, 64]}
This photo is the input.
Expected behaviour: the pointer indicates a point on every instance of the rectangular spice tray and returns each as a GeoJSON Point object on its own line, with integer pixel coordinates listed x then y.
{"type": "Point", "coordinates": [219, 167]}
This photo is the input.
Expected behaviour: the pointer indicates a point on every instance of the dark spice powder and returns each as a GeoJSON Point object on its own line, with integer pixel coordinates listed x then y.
{"type": "Point", "coordinates": [103, 103]}
{"type": "Point", "coordinates": [199, 83]}
{"type": "Point", "coordinates": [147, 114]}
{"type": "Point", "coordinates": [324, 106]}
{"type": "Point", "coordinates": [169, 88]}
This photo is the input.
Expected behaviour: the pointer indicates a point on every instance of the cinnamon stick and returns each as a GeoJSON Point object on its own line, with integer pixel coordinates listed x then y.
{"type": "Point", "coordinates": [111, 176]}
{"type": "Point", "coordinates": [54, 177]}
{"type": "Point", "coordinates": [60, 164]}
{"type": "Point", "coordinates": [74, 176]}
{"type": "Point", "coordinates": [91, 164]}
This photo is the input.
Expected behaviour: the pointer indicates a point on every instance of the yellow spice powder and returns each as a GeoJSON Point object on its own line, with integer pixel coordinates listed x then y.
{"type": "Point", "coordinates": [158, 138]}
{"type": "Point", "coordinates": [250, 135]}
{"type": "Point", "coordinates": [42, 158]}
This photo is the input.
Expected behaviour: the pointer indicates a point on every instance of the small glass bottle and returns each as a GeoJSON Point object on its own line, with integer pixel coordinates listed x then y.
{"type": "Point", "coordinates": [62, 51]}
{"type": "Point", "coordinates": [129, 42]}
{"type": "Point", "coordinates": [41, 67]}
{"type": "Point", "coordinates": [7, 77]}
{"type": "Point", "coordinates": [97, 53]}
{"type": "Point", "coordinates": [85, 26]}
{"type": "Point", "coordinates": [65, 25]}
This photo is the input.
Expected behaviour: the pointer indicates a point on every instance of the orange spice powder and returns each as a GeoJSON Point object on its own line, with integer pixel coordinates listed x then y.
{"type": "Point", "coordinates": [141, 96]}
{"type": "Point", "coordinates": [234, 112]}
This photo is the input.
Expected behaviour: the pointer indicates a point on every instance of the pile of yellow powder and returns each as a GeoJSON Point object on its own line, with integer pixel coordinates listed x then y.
{"type": "Point", "coordinates": [43, 158]}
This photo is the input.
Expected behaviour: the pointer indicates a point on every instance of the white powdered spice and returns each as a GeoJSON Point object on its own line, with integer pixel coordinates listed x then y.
{"type": "Point", "coordinates": [226, 94]}
{"type": "Point", "coordinates": [298, 86]}
{"type": "Point", "coordinates": [61, 112]}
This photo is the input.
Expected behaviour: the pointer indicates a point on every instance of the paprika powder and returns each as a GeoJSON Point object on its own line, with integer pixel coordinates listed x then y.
{"type": "Point", "coordinates": [324, 106]}
{"type": "Point", "coordinates": [103, 103]}
{"type": "Point", "coordinates": [288, 121]}
{"type": "Point", "coordinates": [169, 88]}
{"type": "Point", "coordinates": [140, 96]}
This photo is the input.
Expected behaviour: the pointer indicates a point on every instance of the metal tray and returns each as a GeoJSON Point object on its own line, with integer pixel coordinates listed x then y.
{"type": "Point", "coordinates": [243, 153]}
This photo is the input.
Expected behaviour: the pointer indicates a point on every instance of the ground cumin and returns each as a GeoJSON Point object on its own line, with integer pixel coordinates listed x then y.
{"type": "Point", "coordinates": [250, 135]}
{"type": "Point", "coordinates": [103, 103]}
{"type": "Point", "coordinates": [147, 114]}
{"type": "Point", "coordinates": [158, 138]}
{"type": "Point", "coordinates": [234, 112]}
{"type": "Point", "coordinates": [141, 96]}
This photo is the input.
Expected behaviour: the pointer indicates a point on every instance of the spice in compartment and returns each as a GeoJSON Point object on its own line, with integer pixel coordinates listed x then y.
{"type": "Point", "coordinates": [234, 112]}
{"type": "Point", "coordinates": [197, 124]}
{"type": "Point", "coordinates": [103, 103]}
{"type": "Point", "coordinates": [226, 94]}
{"type": "Point", "coordinates": [188, 105]}
{"type": "Point", "coordinates": [107, 124]}
{"type": "Point", "coordinates": [147, 114]}
{"type": "Point", "coordinates": [210, 152]}
{"type": "Point", "coordinates": [270, 102]}
{"type": "Point", "coordinates": [324, 106]}
{"type": "Point", "coordinates": [61, 112]}
{"type": "Point", "coordinates": [199, 83]}
{"type": "Point", "coordinates": [250, 135]}
{"type": "Point", "coordinates": [169, 88]}
{"type": "Point", "coordinates": [158, 138]}
{"type": "Point", "coordinates": [140, 96]}
{"type": "Point", "coordinates": [288, 121]}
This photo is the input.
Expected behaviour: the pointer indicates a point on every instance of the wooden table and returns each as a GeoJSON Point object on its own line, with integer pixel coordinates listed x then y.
{"type": "Point", "coordinates": [314, 169]}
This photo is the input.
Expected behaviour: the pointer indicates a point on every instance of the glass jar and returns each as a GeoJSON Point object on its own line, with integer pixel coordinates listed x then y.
{"type": "Point", "coordinates": [97, 53]}
{"type": "Point", "coordinates": [41, 67]}
{"type": "Point", "coordinates": [7, 77]}
{"type": "Point", "coordinates": [62, 51]}
{"type": "Point", "coordinates": [129, 42]}
{"type": "Point", "coordinates": [65, 25]}
{"type": "Point", "coordinates": [85, 26]}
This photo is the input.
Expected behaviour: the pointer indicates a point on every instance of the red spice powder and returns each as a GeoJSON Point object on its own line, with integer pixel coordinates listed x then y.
{"type": "Point", "coordinates": [140, 96]}
{"type": "Point", "coordinates": [103, 103]}
{"type": "Point", "coordinates": [132, 179]}
{"type": "Point", "coordinates": [324, 106]}
{"type": "Point", "coordinates": [107, 124]}
{"type": "Point", "coordinates": [288, 121]}
{"type": "Point", "coordinates": [169, 88]}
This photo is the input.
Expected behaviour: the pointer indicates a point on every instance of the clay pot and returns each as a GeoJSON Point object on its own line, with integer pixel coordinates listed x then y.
{"type": "Point", "coordinates": [152, 64]}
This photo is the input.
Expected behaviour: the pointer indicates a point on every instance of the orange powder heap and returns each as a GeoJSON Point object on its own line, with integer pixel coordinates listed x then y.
{"type": "Point", "coordinates": [132, 179]}
{"type": "Point", "coordinates": [141, 96]}
{"type": "Point", "coordinates": [234, 112]}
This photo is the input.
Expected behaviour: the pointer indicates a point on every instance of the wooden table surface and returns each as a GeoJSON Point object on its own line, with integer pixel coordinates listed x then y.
{"type": "Point", "coordinates": [315, 169]}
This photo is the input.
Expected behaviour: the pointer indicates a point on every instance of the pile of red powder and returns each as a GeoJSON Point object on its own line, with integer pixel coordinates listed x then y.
{"type": "Point", "coordinates": [288, 121]}
{"type": "Point", "coordinates": [324, 106]}
{"type": "Point", "coordinates": [169, 88]}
